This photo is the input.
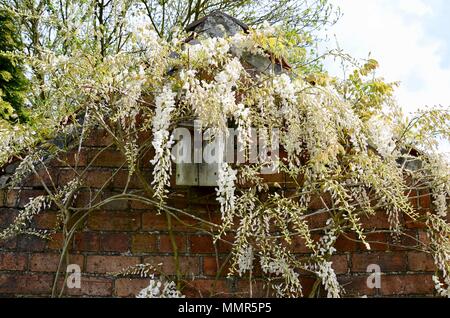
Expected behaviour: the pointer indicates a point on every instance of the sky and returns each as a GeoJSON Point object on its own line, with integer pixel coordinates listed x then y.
{"type": "Point", "coordinates": [411, 41]}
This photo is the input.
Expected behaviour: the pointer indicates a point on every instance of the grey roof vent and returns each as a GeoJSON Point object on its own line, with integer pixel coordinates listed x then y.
{"type": "Point", "coordinates": [217, 25]}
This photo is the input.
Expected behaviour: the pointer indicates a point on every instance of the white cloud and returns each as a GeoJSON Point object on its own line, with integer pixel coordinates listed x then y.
{"type": "Point", "coordinates": [395, 34]}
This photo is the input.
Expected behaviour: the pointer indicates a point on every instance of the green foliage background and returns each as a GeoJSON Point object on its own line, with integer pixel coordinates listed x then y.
{"type": "Point", "coordinates": [13, 83]}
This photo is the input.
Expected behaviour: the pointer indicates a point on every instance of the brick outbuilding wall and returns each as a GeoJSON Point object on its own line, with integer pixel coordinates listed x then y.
{"type": "Point", "coordinates": [125, 233]}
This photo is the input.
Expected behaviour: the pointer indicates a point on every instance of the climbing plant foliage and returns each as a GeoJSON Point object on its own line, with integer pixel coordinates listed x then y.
{"type": "Point", "coordinates": [344, 141]}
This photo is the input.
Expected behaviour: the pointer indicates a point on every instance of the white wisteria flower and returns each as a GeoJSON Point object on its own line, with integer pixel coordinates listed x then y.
{"type": "Point", "coordinates": [226, 189]}
{"type": "Point", "coordinates": [159, 289]}
{"type": "Point", "coordinates": [381, 136]}
{"type": "Point", "coordinates": [162, 140]}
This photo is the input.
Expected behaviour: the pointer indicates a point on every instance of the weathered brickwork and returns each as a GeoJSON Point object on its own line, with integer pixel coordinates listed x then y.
{"type": "Point", "coordinates": [125, 233]}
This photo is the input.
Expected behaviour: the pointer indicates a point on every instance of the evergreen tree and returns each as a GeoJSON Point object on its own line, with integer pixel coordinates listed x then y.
{"type": "Point", "coordinates": [13, 82]}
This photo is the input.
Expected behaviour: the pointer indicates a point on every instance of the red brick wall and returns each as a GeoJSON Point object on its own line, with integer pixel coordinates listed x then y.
{"type": "Point", "coordinates": [126, 233]}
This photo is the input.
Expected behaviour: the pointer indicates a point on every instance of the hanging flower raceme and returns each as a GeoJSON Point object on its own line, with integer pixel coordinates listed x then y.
{"type": "Point", "coordinates": [322, 267]}
{"type": "Point", "coordinates": [21, 223]}
{"type": "Point", "coordinates": [225, 189]}
{"type": "Point", "coordinates": [160, 289]}
{"type": "Point", "coordinates": [162, 141]}
{"type": "Point", "coordinates": [207, 53]}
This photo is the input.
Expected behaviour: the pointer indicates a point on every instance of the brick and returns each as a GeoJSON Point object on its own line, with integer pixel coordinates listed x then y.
{"type": "Point", "coordinates": [413, 224]}
{"type": "Point", "coordinates": [93, 287]}
{"type": "Point", "coordinates": [189, 265]}
{"type": "Point", "coordinates": [115, 205]}
{"type": "Point", "coordinates": [49, 262]}
{"type": "Point", "coordinates": [106, 158]}
{"type": "Point", "coordinates": [8, 244]}
{"type": "Point", "coordinates": [201, 288]}
{"type": "Point", "coordinates": [98, 138]}
{"type": "Point", "coordinates": [67, 175]}
{"type": "Point", "coordinates": [125, 287]}
{"type": "Point", "coordinates": [120, 180]}
{"type": "Point", "coordinates": [260, 289]}
{"type": "Point", "coordinates": [272, 178]}
{"type": "Point", "coordinates": [137, 205]}
{"type": "Point", "coordinates": [212, 265]}
{"type": "Point", "coordinates": [423, 237]}
{"type": "Point", "coordinates": [45, 220]}
{"type": "Point", "coordinates": [49, 177]}
{"type": "Point", "coordinates": [377, 221]}
{"type": "Point", "coordinates": [115, 242]}
{"type": "Point", "coordinates": [114, 221]}
{"type": "Point", "coordinates": [78, 220]}
{"type": "Point", "coordinates": [13, 261]}
{"type": "Point", "coordinates": [424, 200]}
{"type": "Point", "coordinates": [99, 179]}
{"type": "Point", "coordinates": [307, 285]}
{"type": "Point", "coordinates": [26, 284]}
{"type": "Point", "coordinates": [144, 136]}
{"type": "Point", "coordinates": [420, 262]}
{"type": "Point", "coordinates": [7, 216]}
{"type": "Point", "coordinates": [72, 158]}
{"type": "Point", "coordinates": [215, 218]}
{"type": "Point", "coordinates": [12, 198]}
{"type": "Point", "coordinates": [346, 243]}
{"type": "Point", "coordinates": [389, 262]}
{"type": "Point", "coordinates": [298, 245]}
{"type": "Point", "coordinates": [225, 244]}
{"type": "Point", "coordinates": [151, 221]}
{"type": "Point", "coordinates": [165, 243]}
{"type": "Point", "coordinates": [87, 241]}
{"type": "Point", "coordinates": [109, 264]}
{"type": "Point", "coordinates": [356, 286]}
{"type": "Point", "coordinates": [413, 198]}
{"type": "Point", "coordinates": [317, 202]}
{"type": "Point", "coordinates": [146, 158]}
{"type": "Point", "coordinates": [293, 182]}
{"type": "Point", "coordinates": [339, 264]}
{"type": "Point", "coordinates": [202, 245]}
{"type": "Point", "coordinates": [55, 242]}
{"type": "Point", "coordinates": [317, 221]}
{"type": "Point", "coordinates": [2, 197]}
{"type": "Point", "coordinates": [191, 204]}
{"type": "Point", "coordinates": [28, 243]}
{"type": "Point", "coordinates": [143, 243]}
{"type": "Point", "coordinates": [406, 241]}
{"type": "Point", "coordinates": [398, 285]}
{"type": "Point", "coordinates": [377, 241]}
{"type": "Point", "coordinates": [93, 178]}
{"type": "Point", "coordinates": [86, 199]}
